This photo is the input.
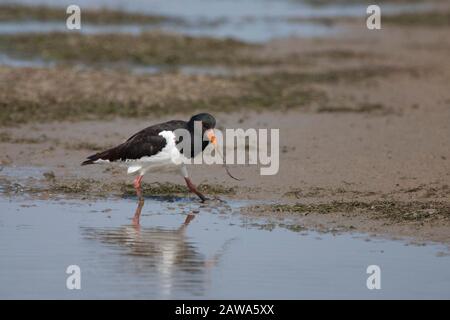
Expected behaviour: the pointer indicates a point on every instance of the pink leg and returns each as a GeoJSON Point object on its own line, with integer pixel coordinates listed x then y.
{"type": "Point", "coordinates": [137, 186]}
{"type": "Point", "coordinates": [193, 189]}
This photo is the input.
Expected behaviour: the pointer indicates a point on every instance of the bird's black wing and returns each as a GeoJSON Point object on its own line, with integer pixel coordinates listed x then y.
{"type": "Point", "coordinates": [133, 149]}
{"type": "Point", "coordinates": [145, 143]}
{"type": "Point", "coordinates": [157, 128]}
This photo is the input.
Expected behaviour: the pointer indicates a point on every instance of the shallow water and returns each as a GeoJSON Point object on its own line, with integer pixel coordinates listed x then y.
{"type": "Point", "coordinates": [213, 9]}
{"type": "Point", "coordinates": [218, 254]}
{"type": "Point", "coordinates": [248, 20]}
{"type": "Point", "coordinates": [24, 62]}
{"type": "Point", "coordinates": [254, 31]}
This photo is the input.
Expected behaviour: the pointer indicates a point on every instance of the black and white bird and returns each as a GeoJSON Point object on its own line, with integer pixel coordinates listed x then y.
{"type": "Point", "coordinates": [156, 148]}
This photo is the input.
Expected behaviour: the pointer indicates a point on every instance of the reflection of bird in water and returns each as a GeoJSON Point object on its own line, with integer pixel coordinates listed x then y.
{"type": "Point", "coordinates": [164, 254]}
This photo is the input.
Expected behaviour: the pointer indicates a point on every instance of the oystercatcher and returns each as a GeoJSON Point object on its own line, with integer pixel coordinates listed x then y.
{"type": "Point", "coordinates": [157, 147]}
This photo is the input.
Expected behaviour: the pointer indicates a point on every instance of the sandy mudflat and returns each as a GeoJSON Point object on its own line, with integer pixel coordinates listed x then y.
{"type": "Point", "coordinates": [376, 144]}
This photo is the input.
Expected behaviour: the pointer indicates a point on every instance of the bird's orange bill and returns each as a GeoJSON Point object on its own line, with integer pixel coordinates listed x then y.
{"type": "Point", "coordinates": [212, 138]}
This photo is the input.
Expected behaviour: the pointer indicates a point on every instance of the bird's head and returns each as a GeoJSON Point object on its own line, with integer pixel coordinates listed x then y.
{"type": "Point", "coordinates": [208, 125]}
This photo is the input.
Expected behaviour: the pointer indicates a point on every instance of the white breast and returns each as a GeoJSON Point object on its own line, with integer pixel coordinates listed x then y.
{"type": "Point", "coordinates": [169, 156]}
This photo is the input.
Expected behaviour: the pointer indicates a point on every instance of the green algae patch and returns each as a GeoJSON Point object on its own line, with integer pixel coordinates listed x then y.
{"type": "Point", "coordinates": [395, 211]}
{"type": "Point", "coordinates": [16, 12]}
{"type": "Point", "coordinates": [149, 48]}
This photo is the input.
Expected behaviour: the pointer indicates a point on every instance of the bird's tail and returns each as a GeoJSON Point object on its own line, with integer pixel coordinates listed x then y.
{"type": "Point", "coordinates": [84, 163]}
{"type": "Point", "coordinates": [108, 155]}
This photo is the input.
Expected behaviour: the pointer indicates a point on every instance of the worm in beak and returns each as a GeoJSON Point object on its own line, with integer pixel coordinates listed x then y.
{"type": "Point", "coordinates": [212, 138]}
